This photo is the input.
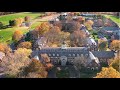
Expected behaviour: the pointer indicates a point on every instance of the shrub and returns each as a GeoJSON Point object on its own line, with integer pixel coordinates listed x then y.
{"type": "Point", "coordinates": [11, 22]}
{"type": "Point", "coordinates": [15, 22]}
{"type": "Point", "coordinates": [1, 25]}
{"type": "Point", "coordinates": [27, 18]}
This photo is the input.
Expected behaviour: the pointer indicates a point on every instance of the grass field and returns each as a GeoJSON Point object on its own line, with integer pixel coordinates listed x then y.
{"type": "Point", "coordinates": [7, 33]}
{"type": "Point", "coordinates": [114, 18]}
{"type": "Point", "coordinates": [5, 19]}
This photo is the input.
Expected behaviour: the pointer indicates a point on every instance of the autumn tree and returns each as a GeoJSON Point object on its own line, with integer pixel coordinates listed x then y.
{"type": "Point", "coordinates": [100, 22]}
{"type": "Point", "coordinates": [16, 22]}
{"type": "Point", "coordinates": [108, 73]}
{"type": "Point", "coordinates": [13, 62]}
{"type": "Point", "coordinates": [35, 69]}
{"type": "Point", "coordinates": [31, 36]}
{"type": "Point", "coordinates": [115, 45]}
{"type": "Point", "coordinates": [27, 45]}
{"type": "Point", "coordinates": [78, 38]}
{"type": "Point", "coordinates": [17, 35]}
{"type": "Point", "coordinates": [43, 28]}
{"type": "Point", "coordinates": [56, 36]}
{"type": "Point", "coordinates": [81, 19]}
{"type": "Point", "coordinates": [58, 24]}
{"type": "Point", "coordinates": [115, 63]}
{"type": "Point", "coordinates": [53, 34]}
{"type": "Point", "coordinates": [80, 61]}
{"type": "Point", "coordinates": [64, 36]}
{"type": "Point", "coordinates": [102, 44]}
{"type": "Point", "coordinates": [4, 48]}
{"type": "Point", "coordinates": [46, 61]}
{"type": "Point", "coordinates": [89, 24]}
{"type": "Point", "coordinates": [71, 26]}
{"type": "Point", "coordinates": [27, 18]}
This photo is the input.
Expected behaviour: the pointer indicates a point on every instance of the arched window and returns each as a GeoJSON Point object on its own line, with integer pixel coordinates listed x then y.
{"type": "Point", "coordinates": [78, 55]}
{"type": "Point", "coordinates": [70, 55]}
{"type": "Point", "coordinates": [57, 54]}
{"type": "Point", "coordinates": [92, 68]}
{"type": "Point", "coordinates": [73, 55]}
{"type": "Point", "coordinates": [53, 54]}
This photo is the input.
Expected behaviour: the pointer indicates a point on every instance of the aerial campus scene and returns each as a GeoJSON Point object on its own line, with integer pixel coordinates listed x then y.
{"type": "Point", "coordinates": [59, 45]}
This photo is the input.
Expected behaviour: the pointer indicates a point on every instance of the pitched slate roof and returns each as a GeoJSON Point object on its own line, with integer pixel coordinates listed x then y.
{"type": "Point", "coordinates": [103, 54]}
{"type": "Point", "coordinates": [61, 52]}
{"type": "Point", "coordinates": [111, 28]}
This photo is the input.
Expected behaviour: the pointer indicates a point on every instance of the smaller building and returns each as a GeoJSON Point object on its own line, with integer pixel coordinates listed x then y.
{"type": "Point", "coordinates": [91, 41]}
{"type": "Point", "coordinates": [104, 56]}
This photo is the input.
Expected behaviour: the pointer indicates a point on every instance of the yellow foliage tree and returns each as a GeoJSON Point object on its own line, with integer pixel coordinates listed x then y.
{"type": "Point", "coordinates": [108, 73]}
{"type": "Point", "coordinates": [42, 28]}
{"type": "Point", "coordinates": [89, 24]}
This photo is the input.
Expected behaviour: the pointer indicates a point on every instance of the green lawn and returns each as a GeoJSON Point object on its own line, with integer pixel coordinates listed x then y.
{"type": "Point", "coordinates": [5, 19]}
{"type": "Point", "coordinates": [62, 74]}
{"type": "Point", "coordinates": [114, 18]}
{"type": "Point", "coordinates": [8, 32]}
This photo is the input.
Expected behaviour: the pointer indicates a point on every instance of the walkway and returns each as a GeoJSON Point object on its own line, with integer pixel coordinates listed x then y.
{"type": "Point", "coordinates": [44, 19]}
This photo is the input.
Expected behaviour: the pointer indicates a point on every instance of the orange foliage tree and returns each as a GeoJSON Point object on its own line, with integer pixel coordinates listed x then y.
{"type": "Point", "coordinates": [115, 45]}
{"type": "Point", "coordinates": [17, 35]}
{"type": "Point", "coordinates": [27, 45]}
{"type": "Point", "coordinates": [81, 19]}
{"type": "Point", "coordinates": [4, 48]}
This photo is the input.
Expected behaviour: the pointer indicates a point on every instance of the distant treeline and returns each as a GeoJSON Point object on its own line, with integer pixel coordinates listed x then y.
{"type": "Point", "coordinates": [5, 13]}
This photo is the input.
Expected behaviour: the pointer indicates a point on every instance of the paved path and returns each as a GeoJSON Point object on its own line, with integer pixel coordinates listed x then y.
{"type": "Point", "coordinates": [46, 18]}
